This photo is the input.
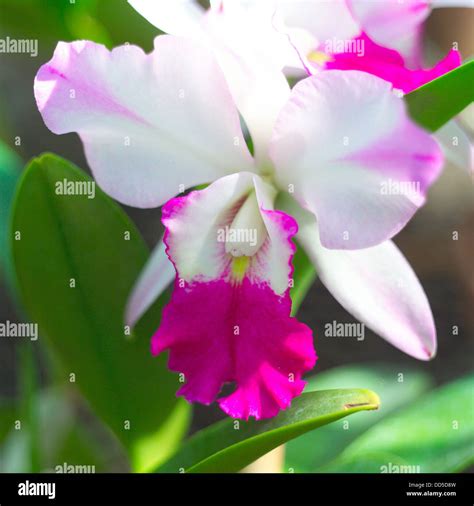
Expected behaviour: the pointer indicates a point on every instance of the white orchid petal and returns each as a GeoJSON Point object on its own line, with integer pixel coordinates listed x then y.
{"type": "Point", "coordinates": [345, 146]}
{"type": "Point", "coordinates": [252, 64]}
{"type": "Point", "coordinates": [435, 4]}
{"type": "Point", "coordinates": [176, 17]}
{"type": "Point", "coordinates": [457, 146]}
{"type": "Point", "coordinates": [152, 125]}
{"type": "Point", "coordinates": [322, 19]}
{"type": "Point", "coordinates": [195, 222]}
{"type": "Point", "coordinates": [376, 285]}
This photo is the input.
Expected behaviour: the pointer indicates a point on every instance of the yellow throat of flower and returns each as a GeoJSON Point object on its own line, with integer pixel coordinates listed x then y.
{"type": "Point", "coordinates": [318, 57]}
{"type": "Point", "coordinates": [239, 268]}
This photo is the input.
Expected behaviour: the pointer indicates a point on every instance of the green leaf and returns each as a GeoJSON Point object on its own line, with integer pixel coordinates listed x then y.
{"type": "Point", "coordinates": [7, 417]}
{"type": "Point", "coordinates": [52, 21]}
{"type": "Point", "coordinates": [434, 434]}
{"type": "Point", "coordinates": [107, 22]}
{"type": "Point", "coordinates": [438, 101]}
{"type": "Point", "coordinates": [304, 275]}
{"type": "Point", "coordinates": [306, 453]}
{"type": "Point", "coordinates": [230, 445]}
{"type": "Point", "coordinates": [76, 263]}
{"type": "Point", "coordinates": [10, 165]}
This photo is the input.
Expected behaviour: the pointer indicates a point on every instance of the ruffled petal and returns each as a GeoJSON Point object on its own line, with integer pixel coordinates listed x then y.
{"type": "Point", "coordinates": [362, 184]}
{"type": "Point", "coordinates": [225, 322]}
{"type": "Point", "coordinates": [221, 333]}
{"type": "Point", "coordinates": [152, 125]}
{"type": "Point", "coordinates": [193, 224]}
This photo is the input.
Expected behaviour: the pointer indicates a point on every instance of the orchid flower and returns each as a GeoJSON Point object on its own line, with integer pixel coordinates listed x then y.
{"type": "Point", "coordinates": [292, 33]}
{"type": "Point", "coordinates": [398, 24]}
{"type": "Point", "coordinates": [154, 125]}
{"type": "Point", "coordinates": [253, 38]}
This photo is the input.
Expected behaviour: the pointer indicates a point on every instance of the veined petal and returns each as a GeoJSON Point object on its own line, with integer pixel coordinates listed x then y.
{"type": "Point", "coordinates": [274, 265]}
{"type": "Point", "coordinates": [193, 224]}
{"type": "Point", "coordinates": [362, 184]}
{"type": "Point", "coordinates": [152, 125]}
{"type": "Point", "coordinates": [199, 224]}
{"type": "Point", "coordinates": [376, 285]}
{"type": "Point", "coordinates": [156, 276]}
{"type": "Point", "coordinates": [225, 322]}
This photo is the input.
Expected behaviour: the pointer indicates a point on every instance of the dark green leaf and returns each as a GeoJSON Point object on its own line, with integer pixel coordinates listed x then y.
{"type": "Point", "coordinates": [76, 263]}
{"type": "Point", "coordinates": [395, 389]}
{"type": "Point", "coordinates": [230, 445]}
{"type": "Point", "coordinates": [7, 418]}
{"type": "Point", "coordinates": [440, 100]}
{"type": "Point", "coordinates": [10, 165]}
{"type": "Point", "coordinates": [435, 434]}
{"type": "Point", "coordinates": [303, 277]}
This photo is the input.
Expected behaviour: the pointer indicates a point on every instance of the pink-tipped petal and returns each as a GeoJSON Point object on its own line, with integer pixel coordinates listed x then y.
{"type": "Point", "coordinates": [376, 285]}
{"type": "Point", "coordinates": [274, 265]}
{"type": "Point", "coordinates": [152, 125]}
{"type": "Point", "coordinates": [347, 175]}
{"type": "Point", "coordinates": [193, 224]}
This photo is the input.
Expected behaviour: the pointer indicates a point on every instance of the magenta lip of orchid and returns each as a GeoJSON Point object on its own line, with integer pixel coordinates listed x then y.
{"type": "Point", "coordinates": [231, 323]}
{"type": "Point", "coordinates": [152, 124]}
